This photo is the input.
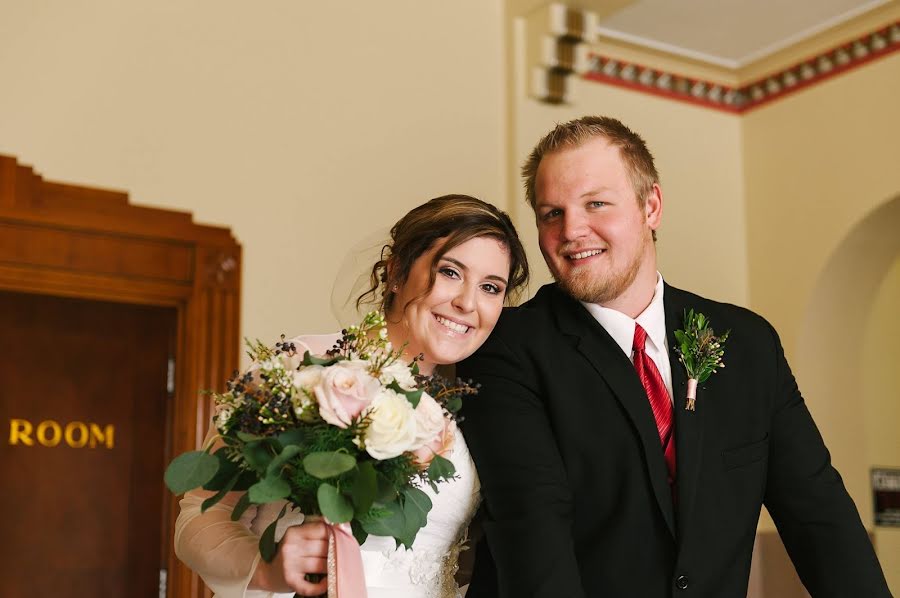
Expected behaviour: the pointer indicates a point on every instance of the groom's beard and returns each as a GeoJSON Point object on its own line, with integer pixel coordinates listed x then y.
{"type": "Point", "coordinates": [585, 284]}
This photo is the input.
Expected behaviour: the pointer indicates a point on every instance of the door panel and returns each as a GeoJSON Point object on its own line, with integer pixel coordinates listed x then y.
{"type": "Point", "coordinates": [83, 409]}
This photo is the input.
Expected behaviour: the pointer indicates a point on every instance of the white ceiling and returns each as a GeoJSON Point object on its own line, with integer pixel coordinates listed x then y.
{"type": "Point", "coordinates": [729, 33]}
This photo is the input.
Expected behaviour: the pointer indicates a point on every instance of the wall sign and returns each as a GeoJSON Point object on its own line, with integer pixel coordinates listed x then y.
{"type": "Point", "coordinates": [886, 492]}
{"type": "Point", "coordinates": [50, 433]}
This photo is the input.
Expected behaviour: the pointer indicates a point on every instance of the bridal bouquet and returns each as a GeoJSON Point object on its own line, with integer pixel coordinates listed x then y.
{"type": "Point", "coordinates": [351, 435]}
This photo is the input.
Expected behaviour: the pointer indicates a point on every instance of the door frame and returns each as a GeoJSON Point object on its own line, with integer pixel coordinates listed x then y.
{"type": "Point", "coordinates": [89, 243]}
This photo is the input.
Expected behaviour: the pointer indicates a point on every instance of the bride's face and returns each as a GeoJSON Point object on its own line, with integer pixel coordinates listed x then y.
{"type": "Point", "coordinates": [451, 320]}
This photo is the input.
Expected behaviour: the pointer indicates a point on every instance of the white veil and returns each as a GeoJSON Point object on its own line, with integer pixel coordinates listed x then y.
{"type": "Point", "coordinates": [353, 278]}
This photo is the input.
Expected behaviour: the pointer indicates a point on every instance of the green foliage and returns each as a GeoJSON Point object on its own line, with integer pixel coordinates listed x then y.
{"type": "Point", "coordinates": [699, 349]}
{"type": "Point", "coordinates": [190, 470]}
{"type": "Point", "coordinates": [363, 487]}
{"type": "Point", "coordinates": [413, 396]}
{"type": "Point", "coordinates": [384, 520]}
{"type": "Point", "coordinates": [333, 504]}
{"type": "Point", "coordinates": [309, 359]}
{"type": "Point", "coordinates": [227, 469]}
{"type": "Point", "coordinates": [242, 505]}
{"type": "Point", "coordinates": [220, 494]}
{"type": "Point", "coordinates": [325, 465]}
{"type": "Point", "coordinates": [416, 506]}
{"type": "Point", "coordinates": [441, 469]}
{"type": "Point", "coordinates": [269, 489]}
{"type": "Point", "coordinates": [268, 548]}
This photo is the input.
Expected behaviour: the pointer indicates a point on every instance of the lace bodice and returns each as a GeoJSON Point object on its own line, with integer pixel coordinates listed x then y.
{"type": "Point", "coordinates": [226, 553]}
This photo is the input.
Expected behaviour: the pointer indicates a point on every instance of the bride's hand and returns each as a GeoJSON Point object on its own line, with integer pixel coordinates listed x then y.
{"type": "Point", "coordinates": [303, 550]}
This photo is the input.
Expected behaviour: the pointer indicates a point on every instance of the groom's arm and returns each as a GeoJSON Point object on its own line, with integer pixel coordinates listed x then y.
{"type": "Point", "coordinates": [816, 518]}
{"type": "Point", "coordinates": [523, 480]}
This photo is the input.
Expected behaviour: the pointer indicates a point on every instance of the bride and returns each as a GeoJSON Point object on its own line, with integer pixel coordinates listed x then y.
{"type": "Point", "coordinates": [442, 282]}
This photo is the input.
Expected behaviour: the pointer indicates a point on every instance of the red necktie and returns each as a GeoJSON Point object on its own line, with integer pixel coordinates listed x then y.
{"type": "Point", "coordinates": [658, 396]}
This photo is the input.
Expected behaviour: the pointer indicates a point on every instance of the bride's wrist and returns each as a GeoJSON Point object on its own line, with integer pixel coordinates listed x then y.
{"type": "Point", "coordinates": [262, 577]}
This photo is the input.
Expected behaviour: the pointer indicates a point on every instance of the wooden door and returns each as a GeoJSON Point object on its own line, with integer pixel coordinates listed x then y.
{"type": "Point", "coordinates": [83, 402]}
{"type": "Point", "coordinates": [96, 294]}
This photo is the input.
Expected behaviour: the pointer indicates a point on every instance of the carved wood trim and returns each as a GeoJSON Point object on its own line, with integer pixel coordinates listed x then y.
{"type": "Point", "coordinates": [67, 240]}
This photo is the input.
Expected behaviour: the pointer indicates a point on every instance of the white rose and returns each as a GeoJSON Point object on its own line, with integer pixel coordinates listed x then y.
{"type": "Point", "coordinates": [392, 430]}
{"type": "Point", "coordinates": [308, 377]}
{"type": "Point", "coordinates": [399, 372]}
{"type": "Point", "coordinates": [429, 420]}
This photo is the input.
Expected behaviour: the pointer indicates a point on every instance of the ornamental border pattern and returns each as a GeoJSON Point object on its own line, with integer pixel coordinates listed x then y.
{"type": "Point", "coordinates": [747, 97]}
{"type": "Point", "coordinates": [736, 100]}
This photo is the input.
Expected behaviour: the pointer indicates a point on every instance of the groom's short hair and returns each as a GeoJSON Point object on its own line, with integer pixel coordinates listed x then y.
{"type": "Point", "coordinates": [637, 158]}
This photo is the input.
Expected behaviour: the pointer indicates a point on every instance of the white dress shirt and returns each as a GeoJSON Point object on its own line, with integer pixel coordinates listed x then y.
{"type": "Point", "coordinates": [653, 320]}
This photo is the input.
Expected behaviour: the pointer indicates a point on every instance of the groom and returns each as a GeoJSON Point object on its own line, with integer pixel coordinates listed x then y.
{"type": "Point", "coordinates": [597, 480]}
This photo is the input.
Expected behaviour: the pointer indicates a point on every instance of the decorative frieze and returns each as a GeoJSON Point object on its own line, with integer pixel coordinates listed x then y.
{"type": "Point", "coordinates": [563, 42]}
{"type": "Point", "coordinates": [739, 99]}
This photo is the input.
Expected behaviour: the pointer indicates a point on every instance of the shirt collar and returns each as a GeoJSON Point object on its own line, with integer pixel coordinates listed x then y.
{"type": "Point", "coordinates": [621, 327]}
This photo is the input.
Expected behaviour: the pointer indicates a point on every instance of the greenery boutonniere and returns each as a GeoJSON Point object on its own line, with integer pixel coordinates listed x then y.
{"type": "Point", "coordinates": [700, 350]}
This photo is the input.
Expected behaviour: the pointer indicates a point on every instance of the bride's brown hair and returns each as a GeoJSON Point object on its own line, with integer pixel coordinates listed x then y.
{"type": "Point", "coordinates": [454, 219]}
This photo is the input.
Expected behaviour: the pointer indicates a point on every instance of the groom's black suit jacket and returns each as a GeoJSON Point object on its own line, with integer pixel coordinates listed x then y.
{"type": "Point", "coordinates": [574, 480]}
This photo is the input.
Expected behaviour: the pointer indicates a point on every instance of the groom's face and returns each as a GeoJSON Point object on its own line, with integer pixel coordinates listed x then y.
{"type": "Point", "coordinates": [595, 236]}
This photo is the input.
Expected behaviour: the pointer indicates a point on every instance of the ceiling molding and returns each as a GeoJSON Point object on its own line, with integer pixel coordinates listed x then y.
{"type": "Point", "coordinates": [562, 41]}
{"type": "Point", "coordinates": [741, 98]}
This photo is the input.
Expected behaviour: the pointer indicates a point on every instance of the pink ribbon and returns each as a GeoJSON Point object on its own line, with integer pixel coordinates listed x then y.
{"type": "Point", "coordinates": [345, 569]}
{"type": "Point", "coordinates": [692, 388]}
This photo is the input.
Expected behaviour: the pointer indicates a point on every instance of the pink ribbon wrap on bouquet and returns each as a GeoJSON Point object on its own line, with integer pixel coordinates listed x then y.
{"type": "Point", "coordinates": [345, 569]}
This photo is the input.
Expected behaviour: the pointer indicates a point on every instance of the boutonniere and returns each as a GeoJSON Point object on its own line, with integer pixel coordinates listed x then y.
{"type": "Point", "coordinates": [700, 351]}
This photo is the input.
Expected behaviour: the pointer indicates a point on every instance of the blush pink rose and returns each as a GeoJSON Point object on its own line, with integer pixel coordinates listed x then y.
{"type": "Point", "coordinates": [441, 445]}
{"type": "Point", "coordinates": [344, 391]}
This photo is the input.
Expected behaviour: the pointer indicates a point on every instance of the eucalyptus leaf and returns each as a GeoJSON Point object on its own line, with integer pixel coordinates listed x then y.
{"type": "Point", "coordinates": [290, 437]}
{"type": "Point", "coordinates": [453, 404]}
{"type": "Point", "coordinates": [413, 396]}
{"type": "Point", "coordinates": [364, 487]}
{"type": "Point", "coordinates": [227, 470]}
{"type": "Point", "coordinates": [385, 491]}
{"type": "Point", "coordinates": [269, 489]}
{"type": "Point", "coordinates": [416, 506]}
{"type": "Point", "coordinates": [288, 453]}
{"type": "Point", "coordinates": [242, 505]}
{"type": "Point", "coordinates": [358, 532]}
{"type": "Point", "coordinates": [221, 493]}
{"type": "Point", "coordinates": [247, 437]}
{"type": "Point", "coordinates": [258, 455]}
{"type": "Point", "coordinates": [190, 470]}
{"type": "Point", "coordinates": [310, 359]}
{"type": "Point", "coordinates": [268, 547]}
{"type": "Point", "coordinates": [324, 465]}
{"type": "Point", "coordinates": [389, 522]}
{"type": "Point", "coordinates": [247, 478]}
{"type": "Point", "coordinates": [440, 469]}
{"type": "Point", "coordinates": [334, 505]}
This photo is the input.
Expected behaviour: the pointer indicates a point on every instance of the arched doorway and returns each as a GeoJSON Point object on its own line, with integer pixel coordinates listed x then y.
{"type": "Point", "coordinates": [847, 361]}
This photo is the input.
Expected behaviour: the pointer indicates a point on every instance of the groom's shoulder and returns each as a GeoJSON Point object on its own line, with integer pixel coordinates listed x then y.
{"type": "Point", "coordinates": [532, 316]}
{"type": "Point", "coordinates": [727, 314]}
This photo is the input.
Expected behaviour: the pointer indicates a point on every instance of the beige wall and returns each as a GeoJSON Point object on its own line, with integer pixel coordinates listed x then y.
{"type": "Point", "coordinates": [821, 182]}
{"type": "Point", "coordinates": [879, 358]}
{"type": "Point", "coordinates": [300, 125]}
{"type": "Point", "coordinates": [817, 164]}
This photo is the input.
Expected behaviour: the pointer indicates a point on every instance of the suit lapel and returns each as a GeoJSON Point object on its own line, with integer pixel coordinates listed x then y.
{"type": "Point", "coordinates": [605, 356]}
{"type": "Point", "coordinates": [688, 424]}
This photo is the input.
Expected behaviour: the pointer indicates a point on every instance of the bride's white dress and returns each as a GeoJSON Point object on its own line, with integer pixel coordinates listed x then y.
{"type": "Point", "coordinates": [225, 553]}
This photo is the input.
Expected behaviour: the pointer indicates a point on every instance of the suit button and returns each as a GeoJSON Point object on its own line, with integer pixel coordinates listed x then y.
{"type": "Point", "coordinates": [681, 582]}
